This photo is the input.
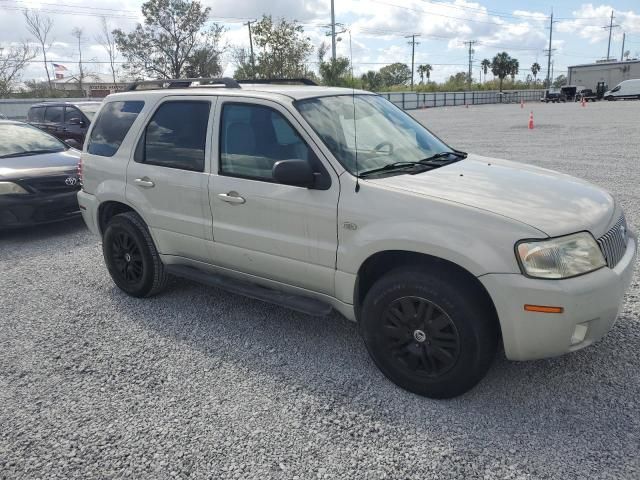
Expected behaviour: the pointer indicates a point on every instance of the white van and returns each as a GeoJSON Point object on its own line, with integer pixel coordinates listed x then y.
{"type": "Point", "coordinates": [626, 89]}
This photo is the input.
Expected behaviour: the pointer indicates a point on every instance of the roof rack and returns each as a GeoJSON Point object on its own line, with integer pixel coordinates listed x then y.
{"type": "Point", "coordinates": [182, 83]}
{"type": "Point", "coordinates": [303, 81]}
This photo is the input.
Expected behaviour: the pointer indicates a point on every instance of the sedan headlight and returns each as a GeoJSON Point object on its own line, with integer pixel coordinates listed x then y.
{"type": "Point", "coordinates": [561, 257]}
{"type": "Point", "coordinates": [10, 187]}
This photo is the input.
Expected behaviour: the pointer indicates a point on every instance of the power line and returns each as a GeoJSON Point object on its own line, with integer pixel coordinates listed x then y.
{"type": "Point", "coordinates": [471, 43]}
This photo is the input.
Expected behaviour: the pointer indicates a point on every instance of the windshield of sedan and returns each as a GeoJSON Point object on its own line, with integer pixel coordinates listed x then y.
{"type": "Point", "coordinates": [89, 109]}
{"type": "Point", "coordinates": [18, 139]}
{"type": "Point", "coordinates": [383, 134]}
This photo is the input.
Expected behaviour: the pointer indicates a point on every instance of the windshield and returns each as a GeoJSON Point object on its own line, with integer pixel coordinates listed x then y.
{"type": "Point", "coordinates": [89, 109]}
{"type": "Point", "coordinates": [383, 133]}
{"type": "Point", "coordinates": [18, 139]}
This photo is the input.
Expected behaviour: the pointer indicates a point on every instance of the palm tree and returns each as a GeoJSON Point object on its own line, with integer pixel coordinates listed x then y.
{"type": "Point", "coordinates": [515, 67]}
{"type": "Point", "coordinates": [503, 65]}
{"type": "Point", "coordinates": [425, 70]}
{"type": "Point", "coordinates": [535, 68]}
{"type": "Point", "coordinates": [486, 65]}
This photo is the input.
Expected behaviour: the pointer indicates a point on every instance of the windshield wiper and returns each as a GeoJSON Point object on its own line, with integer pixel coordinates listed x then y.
{"type": "Point", "coordinates": [442, 155]}
{"type": "Point", "coordinates": [30, 152]}
{"type": "Point", "coordinates": [392, 166]}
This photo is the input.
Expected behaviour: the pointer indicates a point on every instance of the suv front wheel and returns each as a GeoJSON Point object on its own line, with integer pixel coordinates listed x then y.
{"type": "Point", "coordinates": [429, 334]}
{"type": "Point", "coordinates": [131, 257]}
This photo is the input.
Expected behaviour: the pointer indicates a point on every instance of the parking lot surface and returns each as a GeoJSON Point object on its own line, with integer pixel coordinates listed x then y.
{"type": "Point", "coordinates": [200, 383]}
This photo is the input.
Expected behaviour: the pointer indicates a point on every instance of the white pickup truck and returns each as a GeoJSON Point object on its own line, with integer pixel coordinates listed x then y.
{"type": "Point", "coordinates": [321, 198]}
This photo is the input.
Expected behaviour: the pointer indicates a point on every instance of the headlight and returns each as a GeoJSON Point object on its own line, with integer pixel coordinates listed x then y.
{"type": "Point", "coordinates": [9, 187]}
{"type": "Point", "coordinates": [561, 257]}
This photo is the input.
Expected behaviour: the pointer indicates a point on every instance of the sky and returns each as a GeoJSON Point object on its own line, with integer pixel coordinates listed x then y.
{"type": "Point", "coordinates": [378, 30]}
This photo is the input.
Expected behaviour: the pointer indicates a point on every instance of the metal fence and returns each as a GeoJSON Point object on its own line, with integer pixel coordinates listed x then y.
{"type": "Point", "coordinates": [414, 100]}
{"type": "Point", "coordinates": [17, 108]}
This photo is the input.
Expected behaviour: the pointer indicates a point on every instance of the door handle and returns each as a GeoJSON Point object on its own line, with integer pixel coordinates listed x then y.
{"type": "Point", "coordinates": [144, 182]}
{"type": "Point", "coordinates": [231, 197]}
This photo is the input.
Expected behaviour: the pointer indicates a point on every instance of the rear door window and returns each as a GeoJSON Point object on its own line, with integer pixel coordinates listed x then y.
{"type": "Point", "coordinates": [53, 115]}
{"type": "Point", "coordinates": [36, 114]}
{"type": "Point", "coordinates": [177, 135]}
{"type": "Point", "coordinates": [113, 124]}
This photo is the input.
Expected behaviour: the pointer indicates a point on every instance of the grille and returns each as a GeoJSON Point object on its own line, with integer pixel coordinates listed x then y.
{"type": "Point", "coordinates": [614, 243]}
{"type": "Point", "coordinates": [53, 184]}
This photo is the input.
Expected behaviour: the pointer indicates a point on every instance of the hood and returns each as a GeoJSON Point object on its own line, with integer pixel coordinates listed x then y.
{"type": "Point", "coordinates": [38, 165]}
{"type": "Point", "coordinates": [552, 202]}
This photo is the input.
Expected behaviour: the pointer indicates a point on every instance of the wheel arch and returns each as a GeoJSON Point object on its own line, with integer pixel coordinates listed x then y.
{"type": "Point", "coordinates": [380, 263]}
{"type": "Point", "coordinates": [110, 208]}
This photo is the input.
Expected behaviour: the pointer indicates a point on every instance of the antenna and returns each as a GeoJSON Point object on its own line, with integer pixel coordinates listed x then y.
{"type": "Point", "coordinates": [355, 128]}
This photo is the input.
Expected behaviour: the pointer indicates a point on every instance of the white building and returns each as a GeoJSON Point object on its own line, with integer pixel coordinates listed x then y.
{"type": "Point", "coordinates": [612, 73]}
{"type": "Point", "coordinates": [95, 85]}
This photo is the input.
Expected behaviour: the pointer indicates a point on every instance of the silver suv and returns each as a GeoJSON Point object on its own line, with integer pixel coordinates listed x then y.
{"type": "Point", "coordinates": [321, 198]}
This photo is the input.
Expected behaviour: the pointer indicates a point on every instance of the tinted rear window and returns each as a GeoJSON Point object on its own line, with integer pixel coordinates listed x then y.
{"type": "Point", "coordinates": [113, 124]}
{"type": "Point", "coordinates": [53, 115]}
{"type": "Point", "coordinates": [36, 114]}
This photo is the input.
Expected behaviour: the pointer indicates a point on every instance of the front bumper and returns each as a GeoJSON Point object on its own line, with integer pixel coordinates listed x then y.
{"type": "Point", "coordinates": [37, 208]}
{"type": "Point", "coordinates": [591, 304]}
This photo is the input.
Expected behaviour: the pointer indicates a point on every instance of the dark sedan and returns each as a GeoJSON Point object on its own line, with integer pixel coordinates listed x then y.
{"type": "Point", "coordinates": [38, 177]}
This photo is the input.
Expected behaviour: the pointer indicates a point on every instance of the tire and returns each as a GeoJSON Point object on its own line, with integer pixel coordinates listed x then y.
{"type": "Point", "coordinates": [131, 257]}
{"type": "Point", "coordinates": [441, 353]}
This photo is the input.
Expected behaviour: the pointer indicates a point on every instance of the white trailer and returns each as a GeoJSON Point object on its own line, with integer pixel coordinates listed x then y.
{"type": "Point", "coordinates": [611, 73]}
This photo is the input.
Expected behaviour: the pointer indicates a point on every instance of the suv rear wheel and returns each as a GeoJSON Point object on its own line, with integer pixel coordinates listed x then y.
{"type": "Point", "coordinates": [427, 334]}
{"type": "Point", "coordinates": [131, 257]}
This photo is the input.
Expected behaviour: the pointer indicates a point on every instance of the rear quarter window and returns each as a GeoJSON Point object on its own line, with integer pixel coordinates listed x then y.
{"type": "Point", "coordinates": [113, 124]}
{"type": "Point", "coordinates": [53, 115]}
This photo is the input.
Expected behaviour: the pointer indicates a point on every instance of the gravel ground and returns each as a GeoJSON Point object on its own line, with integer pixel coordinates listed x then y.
{"type": "Point", "coordinates": [204, 384]}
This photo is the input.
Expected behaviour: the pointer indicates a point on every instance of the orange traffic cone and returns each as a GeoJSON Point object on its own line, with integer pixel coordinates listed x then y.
{"type": "Point", "coordinates": [531, 121]}
{"type": "Point", "coordinates": [521, 103]}
{"type": "Point", "coordinates": [583, 103]}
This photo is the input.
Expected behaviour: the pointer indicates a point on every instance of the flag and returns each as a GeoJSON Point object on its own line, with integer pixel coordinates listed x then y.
{"type": "Point", "coordinates": [58, 68]}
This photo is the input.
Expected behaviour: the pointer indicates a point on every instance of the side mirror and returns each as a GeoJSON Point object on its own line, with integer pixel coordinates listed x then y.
{"type": "Point", "coordinates": [73, 143]}
{"type": "Point", "coordinates": [294, 172]}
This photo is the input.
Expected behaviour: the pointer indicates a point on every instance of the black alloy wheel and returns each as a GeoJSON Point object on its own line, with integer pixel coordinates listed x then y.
{"type": "Point", "coordinates": [421, 336]}
{"type": "Point", "coordinates": [127, 258]}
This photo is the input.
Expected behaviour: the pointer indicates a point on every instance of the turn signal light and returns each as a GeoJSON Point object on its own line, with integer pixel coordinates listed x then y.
{"type": "Point", "coordinates": [543, 309]}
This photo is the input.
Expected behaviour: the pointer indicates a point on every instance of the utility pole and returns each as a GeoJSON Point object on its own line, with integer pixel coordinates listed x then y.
{"type": "Point", "coordinates": [253, 64]}
{"type": "Point", "coordinates": [413, 44]}
{"type": "Point", "coordinates": [610, 27]}
{"type": "Point", "coordinates": [471, 43]}
{"type": "Point", "coordinates": [333, 31]}
{"type": "Point", "coordinates": [624, 35]}
{"type": "Point", "coordinates": [550, 52]}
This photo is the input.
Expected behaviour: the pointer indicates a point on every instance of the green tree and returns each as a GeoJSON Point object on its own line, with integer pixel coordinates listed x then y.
{"type": "Point", "coordinates": [163, 46]}
{"type": "Point", "coordinates": [501, 66]}
{"type": "Point", "coordinates": [515, 68]}
{"type": "Point", "coordinates": [372, 80]}
{"type": "Point", "coordinates": [560, 81]}
{"type": "Point", "coordinates": [205, 60]}
{"type": "Point", "coordinates": [333, 72]}
{"type": "Point", "coordinates": [535, 69]}
{"type": "Point", "coordinates": [395, 74]}
{"type": "Point", "coordinates": [486, 65]}
{"type": "Point", "coordinates": [280, 51]}
{"type": "Point", "coordinates": [425, 71]}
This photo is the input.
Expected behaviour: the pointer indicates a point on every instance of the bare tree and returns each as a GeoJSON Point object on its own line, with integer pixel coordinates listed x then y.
{"type": "Point", "coordinates": [12, 61]}
{"type": "Point", "coordinates": [77, 32]}
{"type": "Point", "coordinates": [106, 40]}
{"type": "Point", "coordinates": [40, 27]}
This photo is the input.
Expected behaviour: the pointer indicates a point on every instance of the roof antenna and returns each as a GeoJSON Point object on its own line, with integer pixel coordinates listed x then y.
{"type": "Point", "coordinates": [355, 129]}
